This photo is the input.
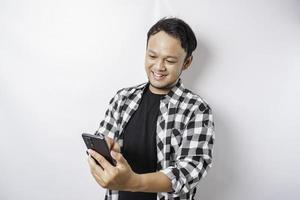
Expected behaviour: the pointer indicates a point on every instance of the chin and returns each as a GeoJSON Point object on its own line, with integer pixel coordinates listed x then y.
{"type": "Point", "coordinates": [162, 85]}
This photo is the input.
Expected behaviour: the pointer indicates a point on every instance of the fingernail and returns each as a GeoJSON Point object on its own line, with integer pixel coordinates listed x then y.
{"type": "Point", "coordinates": [90, 151]}
{"type": "Point", "coordinates": [113, 154]}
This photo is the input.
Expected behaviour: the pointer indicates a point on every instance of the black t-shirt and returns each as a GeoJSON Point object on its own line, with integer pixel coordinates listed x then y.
{"type": "Point", "coordinates": [139, 144]}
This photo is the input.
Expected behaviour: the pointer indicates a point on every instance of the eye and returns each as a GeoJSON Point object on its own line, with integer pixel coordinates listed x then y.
{"type": "Point", "coordinates": [152, 56]}
{"type": "Point", "coordinates": [171, 61]}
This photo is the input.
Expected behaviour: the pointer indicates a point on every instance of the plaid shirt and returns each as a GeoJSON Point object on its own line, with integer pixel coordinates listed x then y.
{"type": "Point", "coordinates": [185, 136]}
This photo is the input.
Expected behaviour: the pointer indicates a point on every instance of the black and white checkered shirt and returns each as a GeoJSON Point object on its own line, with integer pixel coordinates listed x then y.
{"type": "Point", "coordinates": [185, 136]}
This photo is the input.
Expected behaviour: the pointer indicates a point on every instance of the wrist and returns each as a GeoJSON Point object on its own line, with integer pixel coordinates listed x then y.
{"type": "Point", "coordinates": [136, 183]}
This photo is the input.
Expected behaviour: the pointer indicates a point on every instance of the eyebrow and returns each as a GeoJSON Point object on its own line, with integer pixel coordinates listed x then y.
{"type": "Point", "coordinates": [151, 51]}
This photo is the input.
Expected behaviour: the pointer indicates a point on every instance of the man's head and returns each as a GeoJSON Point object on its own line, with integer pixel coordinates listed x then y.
{"type": "Point", "coordinates": [170, 43]}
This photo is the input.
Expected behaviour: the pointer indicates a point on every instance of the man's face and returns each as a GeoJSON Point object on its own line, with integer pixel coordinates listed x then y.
{"type": "Point", "coordinates": [164, 62]}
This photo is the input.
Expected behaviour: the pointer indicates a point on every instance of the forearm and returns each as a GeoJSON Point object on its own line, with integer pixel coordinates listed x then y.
{"type": "Point", "coordinates": [153, 182]}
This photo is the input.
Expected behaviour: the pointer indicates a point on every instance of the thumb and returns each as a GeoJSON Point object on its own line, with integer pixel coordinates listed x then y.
{"type": "Point", "coordinates": [116, 147]}
{"type": "Point", "coordinates": [118, 157]}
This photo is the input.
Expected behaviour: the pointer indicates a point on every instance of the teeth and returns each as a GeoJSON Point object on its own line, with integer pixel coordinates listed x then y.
{"type": "Point", "coordinates": [157, 74]}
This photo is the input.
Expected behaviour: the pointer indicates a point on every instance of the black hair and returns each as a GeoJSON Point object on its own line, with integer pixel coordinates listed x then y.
{"type": "Point", "coordinates": [179, 30]}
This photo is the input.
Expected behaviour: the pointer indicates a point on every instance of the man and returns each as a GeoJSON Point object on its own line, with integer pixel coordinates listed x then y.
{"type": "Point", "coordinates": [160, 133]}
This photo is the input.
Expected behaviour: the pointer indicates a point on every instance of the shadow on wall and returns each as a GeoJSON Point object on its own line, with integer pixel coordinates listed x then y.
{"type": "Point", "coordinates": [201, 58]}
{"type": "Point", "coordinates": [221, 177]}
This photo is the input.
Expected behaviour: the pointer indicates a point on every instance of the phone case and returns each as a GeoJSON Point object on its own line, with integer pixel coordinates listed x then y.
{"type": "Point", "coordinates": [98, 144]}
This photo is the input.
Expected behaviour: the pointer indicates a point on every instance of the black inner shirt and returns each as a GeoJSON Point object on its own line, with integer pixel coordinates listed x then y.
{"type": "Point", "coordinates": [139, 144]}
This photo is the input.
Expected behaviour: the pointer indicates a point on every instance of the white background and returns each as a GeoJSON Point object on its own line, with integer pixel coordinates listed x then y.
{"type": "Point", "coordinates": [61, 61]}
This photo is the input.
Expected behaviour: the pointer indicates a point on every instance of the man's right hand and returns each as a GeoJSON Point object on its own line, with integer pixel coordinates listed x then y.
{"type": "Point", "coordinates": [112, 144]}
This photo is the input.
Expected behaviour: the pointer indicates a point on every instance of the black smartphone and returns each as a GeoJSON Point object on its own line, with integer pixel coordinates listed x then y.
{"type": "Point", "coordinates": [98, 144]}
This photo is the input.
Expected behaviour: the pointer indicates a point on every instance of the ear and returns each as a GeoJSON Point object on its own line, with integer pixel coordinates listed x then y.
{"type": "Point", "coordinates": [187, 62]}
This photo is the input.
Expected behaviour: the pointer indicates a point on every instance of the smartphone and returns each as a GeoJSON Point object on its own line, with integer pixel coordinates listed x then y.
{"type": "Point", "coordinates": [98, 144]}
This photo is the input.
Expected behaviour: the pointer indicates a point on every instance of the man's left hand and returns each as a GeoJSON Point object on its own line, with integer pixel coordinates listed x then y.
{"type": "Point", "coordinates": [119, 177]}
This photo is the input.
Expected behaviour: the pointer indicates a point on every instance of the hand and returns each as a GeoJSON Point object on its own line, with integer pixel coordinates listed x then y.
{"type": "Point", "coordinates": [112, 144]}
{"type": "Point", "coordinates": [120, 177]}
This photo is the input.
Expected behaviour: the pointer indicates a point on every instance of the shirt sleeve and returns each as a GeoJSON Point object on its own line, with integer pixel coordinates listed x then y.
{"type": "Point", "coordinates": [109, 126]}
{"type": "Point", "coordinates": [194, 156]}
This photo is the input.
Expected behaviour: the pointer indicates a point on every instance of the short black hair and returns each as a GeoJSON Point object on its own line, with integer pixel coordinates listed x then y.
{"type": "Point", "coordinates": [178, 29]}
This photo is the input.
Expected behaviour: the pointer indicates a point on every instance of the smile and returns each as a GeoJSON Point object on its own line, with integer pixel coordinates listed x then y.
{"type": "Point", "coordinates": [158, 76]}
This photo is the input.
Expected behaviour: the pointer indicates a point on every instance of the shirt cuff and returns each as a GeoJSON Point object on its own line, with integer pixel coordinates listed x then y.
{"type": "Point", "coordinates": [106, 132]}
{"type": "Point", "coordinates": [177, 181]}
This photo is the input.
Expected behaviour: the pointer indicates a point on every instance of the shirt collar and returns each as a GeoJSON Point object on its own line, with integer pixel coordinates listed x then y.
{"type": "Point", "coordinates": [173, 95]}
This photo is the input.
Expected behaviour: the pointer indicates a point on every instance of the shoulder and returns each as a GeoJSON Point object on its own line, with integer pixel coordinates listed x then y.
{"type": "Point", "coordinates": [199, 109]}
{"type": "Point", "coordinates": [127, 91]}
{"type": "Point", "coordinates": [195, 102]}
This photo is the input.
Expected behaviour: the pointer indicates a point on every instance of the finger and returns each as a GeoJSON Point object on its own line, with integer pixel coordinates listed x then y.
{"type": "Point", "coordinates": [98, 173]}
{"type": "Point", "coordinates": [116, 147]}
{"type": "Point", "coordinates": [118, 157]}
{"type": "Point", "coordinates": [109, 142]}
{"type": "Point", "coordinates": [98, 179]}
{"type": "Point", "coordinates": [97, 169]}
{"type": "Point", "coordinates": [93, 164]}
{"type": "Point", "coordinates": [94, 171]}
{"type": "Point", "coordinates": [101, 160]}
{"type": "Point", "coordinates": [112, 144]}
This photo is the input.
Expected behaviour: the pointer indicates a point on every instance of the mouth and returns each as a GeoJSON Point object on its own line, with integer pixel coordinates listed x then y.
{"type": "Point", "coordinates": [158, 76]}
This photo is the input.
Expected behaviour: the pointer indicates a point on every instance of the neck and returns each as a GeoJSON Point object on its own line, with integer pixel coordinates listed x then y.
{"type": "Point", "coordinates": [161, 90]}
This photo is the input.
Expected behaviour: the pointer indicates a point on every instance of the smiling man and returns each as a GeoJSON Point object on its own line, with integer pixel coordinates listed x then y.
{"type": "Point", "coordinates": [160, 133]}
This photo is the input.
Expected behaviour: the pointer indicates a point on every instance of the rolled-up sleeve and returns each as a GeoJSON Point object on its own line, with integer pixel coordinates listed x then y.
{"type": "Point", "coordinates": [194, 155]}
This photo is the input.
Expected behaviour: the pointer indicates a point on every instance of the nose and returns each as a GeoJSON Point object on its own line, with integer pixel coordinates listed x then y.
{"type": "Point", "coordinates": [160, 66]}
